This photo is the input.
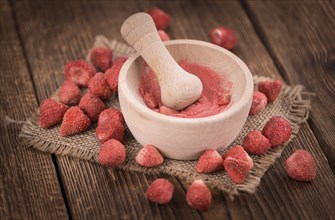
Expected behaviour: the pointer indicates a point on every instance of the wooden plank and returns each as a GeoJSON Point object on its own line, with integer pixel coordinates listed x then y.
{"type": "Point", "coordinates": [92, 191]}
{"type": "Point", "coordinates": [279, 197]}
{"type": "Point", "coordinates": [109, 193]}
{"type": "Point", "coordinates": [289, 199]}
{"type": "Point", "coordinates": [306, 57]}
{"type": "Point", "coordinates": [106, 191]}
{"type": "Point", "coordinates": [29, 188]}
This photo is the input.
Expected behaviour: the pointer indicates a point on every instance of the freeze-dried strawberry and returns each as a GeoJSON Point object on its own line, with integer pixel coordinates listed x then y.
{"type": "Point", "coordinates": [256, 143]}
{"type": "Point", "coordinates": [271, 88]}
{"type": "Point", "coordinates": [51, 113]}
{"type": "Point", "coordinates": [111, 113]}
{"type": "Point", "coordinates": [237, 169]}
{"type": "Point", "coordinates": [237, 163]}
{"type": "Point", "coordinates": [101, 57]}
{"type": "Point", "coordinates": [149, 156]}
{"type": "Point", "coordinates": [110, 125]}
{"type": "Point", "coordinates": [74, 122]}
{"type": "Point", "coordinates": [160, 191]}
{"type": "Point", "coordinates": [92, 106]}
{"type": "Point", "coordinates": [223, 99]}
{"type": "Point", "coordinates": [161, 19]}
{"type": "Point", "coordinates": [198, 196]}
{"type": "Point", "coordinates": [118, 114]}
{"type": "Point", "coordinates": [277, 130]}
{"type": "Point", "coordinates": [69, 93]}
{"type": "Point", "coordinates": [224, 37]}
{"type": "Point", "coordinates": [209, 161]}
{"type": "Point", "coordinates": [301, 166]}
{"type": "Point", "coordinates": [259, 102]}
{"type": "Point", "coordinates": [163, 35]}
{"type": "Point", "coordinates": [112, 153]}
{"type": "Point", "coordinates": [98, 86]}
{"type": "Point", "coordinates": [239, 153]}
{"type": "Point", "coordinates": [79, 72]}
{"type": "Point", "coordinates": [112, 74]}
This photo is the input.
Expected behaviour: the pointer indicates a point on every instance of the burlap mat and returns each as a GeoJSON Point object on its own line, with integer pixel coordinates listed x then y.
{"type": "Point", "coordinates": [293, 103]}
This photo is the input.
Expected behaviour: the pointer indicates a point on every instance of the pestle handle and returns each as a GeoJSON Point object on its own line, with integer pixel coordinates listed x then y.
{"type": "Point", "coordinates": [179, 88]}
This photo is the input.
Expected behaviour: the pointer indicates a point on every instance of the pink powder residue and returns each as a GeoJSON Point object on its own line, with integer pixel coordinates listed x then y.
{"type": "Point", "coordinates": [215, 96]}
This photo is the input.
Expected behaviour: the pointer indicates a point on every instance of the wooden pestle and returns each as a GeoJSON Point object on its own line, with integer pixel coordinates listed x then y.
{"type": "Point", "coordinates": [179, 88]}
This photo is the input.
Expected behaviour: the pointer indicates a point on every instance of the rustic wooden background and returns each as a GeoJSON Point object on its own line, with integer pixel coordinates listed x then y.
{"type": "Point", "coordinates": [290, 40]}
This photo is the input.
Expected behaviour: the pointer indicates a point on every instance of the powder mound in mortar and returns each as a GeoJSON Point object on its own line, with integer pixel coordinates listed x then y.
{"type": "Point", "coordinates": [215, 96]}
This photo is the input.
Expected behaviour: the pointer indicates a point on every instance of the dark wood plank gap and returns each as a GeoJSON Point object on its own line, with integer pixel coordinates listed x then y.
{"type": "Point", "coordinates": [260, 34]}
{"type": "Point", "coordinates": [61, 185]}
{"type": "Point", "coordinates": [24, 52]}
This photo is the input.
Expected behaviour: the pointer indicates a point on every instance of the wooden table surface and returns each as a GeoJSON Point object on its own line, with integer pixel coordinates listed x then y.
{"type": "Point", "coordinates": [289, 40]}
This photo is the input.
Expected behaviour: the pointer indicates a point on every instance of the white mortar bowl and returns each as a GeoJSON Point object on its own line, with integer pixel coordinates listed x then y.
{"type": "Point", "coordinates": [187, 138]}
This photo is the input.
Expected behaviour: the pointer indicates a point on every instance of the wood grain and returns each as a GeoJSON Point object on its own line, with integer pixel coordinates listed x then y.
{"type": "Point", "coordinates": [285, 194]}
{"type": "Point", "coordinates": [91, 190]}
{"type": "Point", "coordinates": [53, 34]}
{"type": "Point", "coordinates": [306, 57]}
{"type": "Point", "coordinates": [29, 187]}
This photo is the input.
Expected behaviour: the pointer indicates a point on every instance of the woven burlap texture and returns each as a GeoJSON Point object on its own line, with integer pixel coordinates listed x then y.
{"type": "Point", "coordinates": [293, 104]}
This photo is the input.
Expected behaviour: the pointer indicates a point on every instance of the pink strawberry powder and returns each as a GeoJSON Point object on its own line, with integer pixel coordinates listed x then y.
{"type": "Point", "coordinates": [214, 99]}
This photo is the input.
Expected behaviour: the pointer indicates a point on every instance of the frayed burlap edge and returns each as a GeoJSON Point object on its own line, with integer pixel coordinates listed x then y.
{"type": "Point", "coordinates": [28, 138]}
{"type": "Point", "coordinates": [298, 113]}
